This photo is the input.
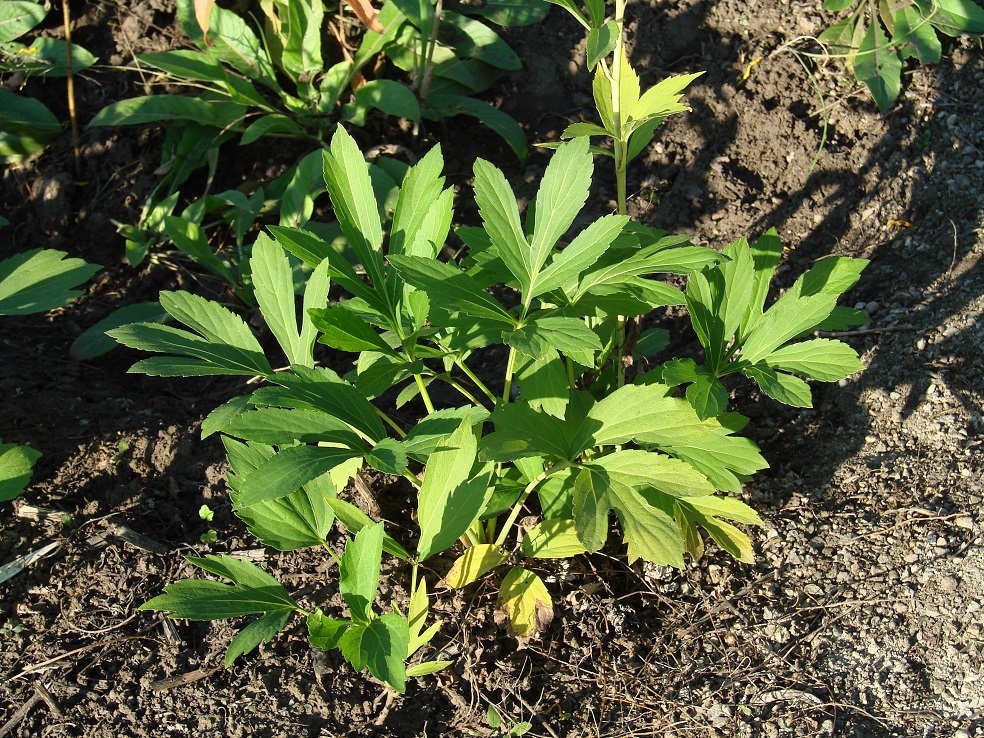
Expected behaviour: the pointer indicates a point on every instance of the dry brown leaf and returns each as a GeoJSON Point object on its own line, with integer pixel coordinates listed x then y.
{"type": "Point", "coordinates": [367, 14]}
{"type": "Point", "coordinates": [203, 14]}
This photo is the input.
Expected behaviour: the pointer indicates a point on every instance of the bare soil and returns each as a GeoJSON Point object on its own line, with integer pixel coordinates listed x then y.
{"type": "Point", "coordinates": [863, 613]}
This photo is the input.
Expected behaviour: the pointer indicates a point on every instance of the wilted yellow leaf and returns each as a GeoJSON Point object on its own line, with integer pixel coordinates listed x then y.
{"type": "Point", "coordinates": [524, 605]}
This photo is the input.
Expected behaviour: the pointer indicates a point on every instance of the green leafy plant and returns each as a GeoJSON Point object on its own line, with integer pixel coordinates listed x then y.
{"type": "Point", "coordinates": [555, 436]}
{"type": "Point", "coordinates": [278, 82]}
{"type": "Point", "coordinates": [27, 125]}
{"type": "Point", "coordinates": [875, 38]}
{"type": "Point", "coordinates": [451, 55]}
{"type": "Point", "coordinates": [33, 282]}
{"type": "Point", "coordinates": [629, 117]}
{"type": "Point", "coordinates": [269, 82]}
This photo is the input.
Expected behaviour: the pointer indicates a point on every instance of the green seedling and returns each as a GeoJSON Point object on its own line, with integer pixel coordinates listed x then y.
{"type": "Point", "coordinates": [629, 117]}
{"type": "Point", "coordinates": [206, 514]}
{"type": "Point", "coordinates": [452, 56]}
{"type": "Point", "coordinates": [11, 628]}
{"type": "Point", "coordinates": [495, 721]}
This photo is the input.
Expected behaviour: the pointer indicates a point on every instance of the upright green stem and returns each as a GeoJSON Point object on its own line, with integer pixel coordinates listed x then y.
{"type": "Point", "coordinates": [473, 536]}
{"type": "Point", "coordinates": [620, 145]}
{"type": "Point", "coordinates": [428, 63]}
{"type": "Point", "coordinates": [423, 393]}
{"type": "Point", "coordinates": [621, 151]}
{"type": "Point", "coordinates": [510, 368]}
{"type": "Point", "coordinates": [619, 364]}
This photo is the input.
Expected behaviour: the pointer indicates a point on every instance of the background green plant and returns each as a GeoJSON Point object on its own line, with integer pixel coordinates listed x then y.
{"type": "Point", "coordinates": [629, 117]}
{"type": "Point", "coordinates": [34, 282]}
{"type": "Point", "coordinates": [28, 125]}
{"type": "Point", "coordinates": [875, 38]}
{"type": "Point", "coordinates": [275, 79]}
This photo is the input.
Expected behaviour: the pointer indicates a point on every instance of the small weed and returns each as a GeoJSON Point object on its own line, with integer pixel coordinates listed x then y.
{"type": "Point", "coordinates": [10, 628]}
{"type": "Point", "coordinates": [207, 514]}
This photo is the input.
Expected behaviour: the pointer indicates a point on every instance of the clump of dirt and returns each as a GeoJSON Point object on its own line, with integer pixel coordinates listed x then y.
{"type": "Point", "coordinates": [862, 613]}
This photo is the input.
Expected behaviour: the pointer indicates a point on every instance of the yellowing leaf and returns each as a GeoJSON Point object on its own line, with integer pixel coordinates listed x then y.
{"type": "Point", "coordinates": [473, 563]}
{"type": "Point", "coordinates": [524, 605]}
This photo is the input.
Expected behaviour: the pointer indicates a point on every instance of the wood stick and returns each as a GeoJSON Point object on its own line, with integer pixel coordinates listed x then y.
{"type": "Point", "coordinates": [70, 80]}
{"type": "Point", "coordinates": [21, 713]}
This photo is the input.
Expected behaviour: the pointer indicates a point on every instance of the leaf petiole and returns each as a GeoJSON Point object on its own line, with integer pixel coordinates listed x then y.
{"type": "Point", "coordinates": [390, 422]}
{"type": "Point", "coordinates": [478, 382]}
{"type": "Point", "coordinates": [514, 512]}
{"type": "Point", "coordinates": [423, 393]}
{"type": "Point", "coordinates": [510, 368]}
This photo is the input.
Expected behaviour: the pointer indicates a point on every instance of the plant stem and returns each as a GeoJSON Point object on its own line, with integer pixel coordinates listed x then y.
{"type": "Point", "coordinates": [620, 346]}
{"type": "Point", "coordinates": [472, 537]}
{"type": "Point", "coordinates": [331, 551]}
{"type": "Point", "coordinates": [478, 382]}
{"type": "Point", "coordinates": [423, 393]}
{"type": "Point", "coordinates": [514, 513]}
{"type": "Point", "coordinates": [490, 530]}
{"type": "Point", "coordinates": [70, 82]}
{"type": "Point", "coordinates": [390, 422]}
{"type": "Point", "coordinates": [620, 146]}
{"type": "Point", "coordinates": [428, 66]}
{"type": "Point", "coordinates": [510, 368]}
{"type": "Point", "coordinates": [471, 398]}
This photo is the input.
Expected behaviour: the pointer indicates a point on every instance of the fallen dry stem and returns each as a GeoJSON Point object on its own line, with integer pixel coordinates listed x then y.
{"type": "Point", "coordinates": [55, 659]}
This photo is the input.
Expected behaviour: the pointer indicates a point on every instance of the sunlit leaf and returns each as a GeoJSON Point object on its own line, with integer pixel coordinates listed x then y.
{"type": "Point", "coordinates": [474, 563]}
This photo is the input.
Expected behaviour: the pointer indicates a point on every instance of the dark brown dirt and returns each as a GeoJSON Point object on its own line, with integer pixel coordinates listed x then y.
{"type": "Point", "coordinates": [862, 615]}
